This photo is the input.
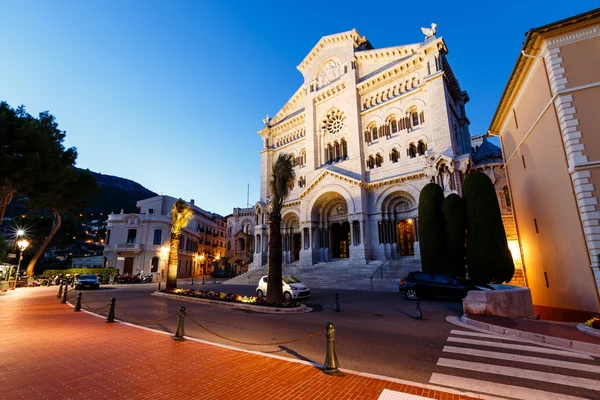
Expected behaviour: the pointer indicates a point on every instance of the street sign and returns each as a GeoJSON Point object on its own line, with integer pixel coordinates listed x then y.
{"type": "Point", "coordinates": [12, 255]}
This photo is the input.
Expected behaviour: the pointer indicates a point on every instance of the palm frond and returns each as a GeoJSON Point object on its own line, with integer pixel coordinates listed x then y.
{"type": "Point", "coordinates": [181, 215]}
{"type": "Point", "coordinates": [282, 179]}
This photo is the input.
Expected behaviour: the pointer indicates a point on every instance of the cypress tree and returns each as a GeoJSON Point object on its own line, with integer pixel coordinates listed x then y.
{"type": "Point", "coordinates": [453, 208]}
{"type": "Point", "coordinates": [488, 256]}
{"type": "Point", "coordinates": [432, 235]}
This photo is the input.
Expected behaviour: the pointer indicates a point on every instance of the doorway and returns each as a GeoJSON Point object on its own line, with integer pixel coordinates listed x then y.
{"type": "Point", "coordinates": [128, 266]}
{"type": "Point", "coordinates": [340, 240]}
{"type": "Point", "coordinates": [406, 238]}
{"type": "Point", "coordinates": [296, 246]}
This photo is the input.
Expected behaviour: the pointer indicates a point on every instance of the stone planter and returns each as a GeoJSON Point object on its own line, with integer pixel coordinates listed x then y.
{"type": "Point", "coordinates": [505, 301]}
{"type": "Point", "coordinates": [589, 330]}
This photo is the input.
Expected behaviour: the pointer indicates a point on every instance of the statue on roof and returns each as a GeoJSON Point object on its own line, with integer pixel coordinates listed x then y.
{"type": "Point", "coordinates": [266, 120]}
{"type": "Point", "coordinates": [429, 32]}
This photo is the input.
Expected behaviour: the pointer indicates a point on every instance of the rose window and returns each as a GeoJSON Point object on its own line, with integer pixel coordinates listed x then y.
{"type": "Point", "coordinates": [334, 121]}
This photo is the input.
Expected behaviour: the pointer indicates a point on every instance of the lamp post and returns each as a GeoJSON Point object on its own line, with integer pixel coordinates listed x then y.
{"type": "Point", "coordinates": [22, 244]}
{"type": "Point", "coordinates": [202, 262]}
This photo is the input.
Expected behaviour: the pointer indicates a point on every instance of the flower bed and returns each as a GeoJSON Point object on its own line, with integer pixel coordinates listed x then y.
{"type": "Point", "coordinates": [230, 298]}
{"type": "Point", "coordinates": [594, 322]}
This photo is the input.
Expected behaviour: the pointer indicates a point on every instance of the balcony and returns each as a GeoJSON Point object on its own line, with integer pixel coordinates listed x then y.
{"type": "Point", "coordinates": [136, 247]}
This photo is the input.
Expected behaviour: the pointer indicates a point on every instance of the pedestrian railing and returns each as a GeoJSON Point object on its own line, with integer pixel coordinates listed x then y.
{"type": "Point", "coordinates": [380, 270]}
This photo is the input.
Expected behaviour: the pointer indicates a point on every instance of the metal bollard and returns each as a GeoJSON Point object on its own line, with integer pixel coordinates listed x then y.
{"type": "Point", "coordinates": [78, 303]}
{"type": "Point", "coordinates": [159, 286]}
{"type": "Point", "coordinates": [337, 303]}
{"type": "Point", "coordinates": [192, 280]}
{"type": "Point", "coordinates": [180, 332]}
{"type": "Point", "coordinates": [64, 295]}
{"type": "Point", "coordinates": [331, 366]}
{"type": "Point", "coordinates": [203, 279]}
{"type": "Point", "coordinates": [418, 314]}
{"type": "Point", "coordinates": [59, 295]}
{"type": "Point", "coordinates": [111, 312]}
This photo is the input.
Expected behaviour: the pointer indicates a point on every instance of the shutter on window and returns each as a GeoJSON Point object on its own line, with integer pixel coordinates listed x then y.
{"type": "Point", "coordinates": [408, 125]}
{"type": "Point", "coordinates": [422, 117]}
{"type": "Point", "coordinates": [368, 136]}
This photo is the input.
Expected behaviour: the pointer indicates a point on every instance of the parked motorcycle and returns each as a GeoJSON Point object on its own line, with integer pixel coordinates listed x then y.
{"type": "Point", "coordinates": [146, 278]}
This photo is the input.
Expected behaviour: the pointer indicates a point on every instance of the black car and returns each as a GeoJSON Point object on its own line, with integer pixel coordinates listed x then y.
{"type": "Point", "coordinates": [87, 281]}
{"type": "Point", "coordinates": [425, 284]}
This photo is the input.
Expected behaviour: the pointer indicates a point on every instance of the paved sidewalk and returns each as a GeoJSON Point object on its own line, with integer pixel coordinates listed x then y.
{"type": "Point", "coordinates": [48, 351]}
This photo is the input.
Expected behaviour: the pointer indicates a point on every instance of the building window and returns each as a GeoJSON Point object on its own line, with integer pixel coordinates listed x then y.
{"type": "Point", "coordinates": [151, 211]}
{"type": "Point", "coordinates": [131, 235]}
{"type": "Point", "coordinates": [374, 132]}
{"type": "Point", "coordinates": [107, 241]}
{"type": "Point", "coordinates": [154, 264]}
{"type": "Point", "coordinates": [378, 160]}
{"type": "Point", "coordinates": [293, 160]}
{"type": "Point", "coordinates": [506, 196]}
{"type": "Point", "coordinates": [370, 162]}
{"type": "Point", "coordinates": [394, 156]}
{"type": "Point", "coordinates": [394, 125]}
{"type": "Point", "coordinates": [412, 150]}
{"type": "Point", "coordinates": [329, 153]}
{"type": "Point", "coordinates": [344, 147]}
{"type": "Point", "coordinates": [421, 147]}
{"type": "Point", "coordinates": [336, 151]}
{"type": "Point", "coordinates": [157, 237]}
{"type": "Point", "coordinates": [415, 118]}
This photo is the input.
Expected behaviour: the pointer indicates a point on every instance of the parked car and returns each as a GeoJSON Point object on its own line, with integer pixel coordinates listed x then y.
{"type": "Point", "coordinates": [87, 281]}
{"type": "Point", "coordinates": [419, 284]}
{"type": "Point", "coordinates": [292, 288]}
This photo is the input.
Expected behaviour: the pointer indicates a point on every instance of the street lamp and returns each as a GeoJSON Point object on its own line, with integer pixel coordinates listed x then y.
{"type": "Point", "coordinates": [22, 244]}
{"type": "Point", "coordinates": [202, 262]}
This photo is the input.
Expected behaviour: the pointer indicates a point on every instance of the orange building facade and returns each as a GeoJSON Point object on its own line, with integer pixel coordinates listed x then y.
{"type": "Point", "coordinates": [548, 121]}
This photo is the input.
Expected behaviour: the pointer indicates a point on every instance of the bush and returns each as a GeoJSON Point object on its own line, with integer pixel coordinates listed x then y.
{"type": "Point", "coordinates": [453, 208]}
{"type": "Point", "coordinates": [488, 256]}
{"type": "Point", "coordinates": [432, 233]}
{"type": "Point", "coordinates": [230, 297]}
{"type": "Point", "coordinates": [104, 272]}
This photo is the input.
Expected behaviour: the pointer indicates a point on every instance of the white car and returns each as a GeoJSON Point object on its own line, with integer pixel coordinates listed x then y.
{"type": "Point", "coordinates": [292, 288]}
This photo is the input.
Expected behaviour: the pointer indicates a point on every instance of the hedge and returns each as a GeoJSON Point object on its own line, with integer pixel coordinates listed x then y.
{"type": "Point", "coordinates": [104, 272]}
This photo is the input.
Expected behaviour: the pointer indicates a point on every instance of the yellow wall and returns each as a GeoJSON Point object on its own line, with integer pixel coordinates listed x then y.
{"type": "Point", "coordinates": [581, 61]}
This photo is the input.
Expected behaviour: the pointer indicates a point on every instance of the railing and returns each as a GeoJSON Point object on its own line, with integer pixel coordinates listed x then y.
{"type": "Point", "coordinates": [260, 272]}
{"type": "Point", "coordinates": [380, 270]}
{"type": "Point", "coordinates": [130, 246]}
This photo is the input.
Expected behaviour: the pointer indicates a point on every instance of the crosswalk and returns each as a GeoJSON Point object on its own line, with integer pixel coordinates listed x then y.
{"type": "Point", "coordinates": [509, 367]}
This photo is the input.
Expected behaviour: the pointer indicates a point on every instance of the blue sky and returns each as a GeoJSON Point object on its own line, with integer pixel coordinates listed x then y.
{"type": "Point", "coordinates": [171, 93]}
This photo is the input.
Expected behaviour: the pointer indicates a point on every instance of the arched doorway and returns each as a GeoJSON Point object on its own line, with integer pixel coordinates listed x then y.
{"type": "Point", "coordinates": [398, 228]}
{"type": "Point", "coordinates": [291, 238]}
{"type": "Point", "coordinates": [329, 217]}
{"type": "Point", "coordinates": [340, 240]}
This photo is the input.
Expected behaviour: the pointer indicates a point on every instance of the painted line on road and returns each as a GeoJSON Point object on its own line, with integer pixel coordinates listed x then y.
{"type": "Point", "coordinates": [525, 359]}
{"type": "Point", "coordinates": [500, 389]}
{"type": "Point", "coordinates": [592, 384]}
{"type": "Point", "coordinates": [543, 350]}
{"type": "Point", "coordinates": [388, 394]}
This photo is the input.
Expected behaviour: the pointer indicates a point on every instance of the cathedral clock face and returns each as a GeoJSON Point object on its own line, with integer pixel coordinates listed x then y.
{"type": "Point", "coordinates": [334, 121]}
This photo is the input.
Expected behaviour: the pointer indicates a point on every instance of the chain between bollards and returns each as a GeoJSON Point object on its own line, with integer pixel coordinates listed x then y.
{"type": "Point", "coordinates": [180, 332]}
{"type": "Point", "coordinates": [418, 314]}
{"type": "Point", "coordinates": [60, 290]}
{"type": "Point", "coordinates": [337, 303]}
{"type": "Point", "coordinates": [64, 295]}
{"type": "Point", "coordinates": [111, 312]}
{"type": "Point", "coordinates": [331, 366]}
{"type": "Point", "coordinates": [78, 302]}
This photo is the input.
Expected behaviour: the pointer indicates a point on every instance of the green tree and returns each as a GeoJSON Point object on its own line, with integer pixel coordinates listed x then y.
{"type": "Point", "coordinates": [31, 152]}
{"type": "Point", "coordinates": [488, 256]}
{"type": "Point", "coordinates": [65, 192]}
{"type": "Point", "coordinates": [432, 233]}
{"type": "Point", "coordinates": [453, 208]}
{"type": "Point", "coordinates": [5, 247]}
{"type": "Point", "coordinates": [181, 215]}
{"type": "Point", "coordinates": [282, 181]}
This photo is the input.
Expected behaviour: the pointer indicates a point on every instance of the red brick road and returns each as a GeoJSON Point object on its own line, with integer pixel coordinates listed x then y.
{"type": "Point", "coordinates": [48, 351]}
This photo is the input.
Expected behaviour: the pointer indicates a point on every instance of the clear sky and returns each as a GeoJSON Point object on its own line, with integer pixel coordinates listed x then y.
{"type": "Point", "coordinates": [171, 94]}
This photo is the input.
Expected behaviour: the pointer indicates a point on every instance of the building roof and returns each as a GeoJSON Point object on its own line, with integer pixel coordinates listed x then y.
{"type": "Point", "coordinates": [531, 47]}
{"type": "Point", "coordinates": [487, 152]}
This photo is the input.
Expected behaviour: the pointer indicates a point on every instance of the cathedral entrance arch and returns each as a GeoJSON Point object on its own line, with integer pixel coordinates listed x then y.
{"type": "Point", "coordinates": [330, 215]}
{"type": "Point", "coordinates": [290, 237]}
{"type": "Point", "coordinates": [398, 226]}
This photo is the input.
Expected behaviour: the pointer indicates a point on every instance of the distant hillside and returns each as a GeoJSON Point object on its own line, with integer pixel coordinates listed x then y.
{"type": "Point", "coordinates": [115, 194]}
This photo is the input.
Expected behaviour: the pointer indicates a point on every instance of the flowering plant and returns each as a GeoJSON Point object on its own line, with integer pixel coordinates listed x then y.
{"type": "Point", "coordinates": [229, 297]}
{"type": "Point", "coordinates": [594, 322]}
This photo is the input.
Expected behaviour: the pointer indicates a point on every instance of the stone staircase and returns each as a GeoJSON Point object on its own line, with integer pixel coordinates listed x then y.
{"type": "Point", "coordinates": [342, 274]}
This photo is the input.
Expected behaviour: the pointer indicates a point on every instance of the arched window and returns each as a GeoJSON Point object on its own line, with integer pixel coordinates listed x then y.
{"type": "Point", "coordinates": [394, 155]}
{"type": "Point", "coordinates": [394, 125]}
{"type": "Point", "coordinates": [374, 132]}
{"type": "Point", "coordinates": [154, 264]}
{"type": "Point", "coordinates": [344, 149]}
{"type": "Point", "coordinates": [228, 245]}
{"type": "Point", "coordinates": [336, 149]}
{"type": "Point", "coordinates": [371, 162]}
{"type": "Point", "coordinates": [415, 118]}
{"type": "Point", "coordinates": [506, 196]}
{"type": "Point", "coordinates": [421, 147]}
{"type": "Point", "coordinates": [378, 160]}
{"type": "Point", "coordinates": [303, 157]}
{"type": "Point", "coordinates": [412, 150]}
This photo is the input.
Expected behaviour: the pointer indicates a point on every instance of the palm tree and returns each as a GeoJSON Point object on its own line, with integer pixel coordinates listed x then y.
{"type": "Point", "coordinates": [181, 214]}
{"type": "Point", "coordinates": [282, 181]}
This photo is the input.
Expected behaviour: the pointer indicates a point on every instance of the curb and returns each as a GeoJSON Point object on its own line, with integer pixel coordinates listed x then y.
{"type": "Point", "coordinates": [266, 310]}
{"type": "Point", "coordinates": [588, 330]}
{"type": "Point", "coordinates": [535, 337]}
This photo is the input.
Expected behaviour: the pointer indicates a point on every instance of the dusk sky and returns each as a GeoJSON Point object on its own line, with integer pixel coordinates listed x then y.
{"type": "Point", "coordinates": [171, 94]}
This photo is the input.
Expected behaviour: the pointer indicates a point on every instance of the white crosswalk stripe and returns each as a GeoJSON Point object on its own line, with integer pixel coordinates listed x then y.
{"type": "Point", "coordinates": [469, 355]}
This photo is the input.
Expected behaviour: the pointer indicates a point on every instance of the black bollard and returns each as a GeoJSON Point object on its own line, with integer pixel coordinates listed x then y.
{"type": "Point", "coordinates": [59, 295]}
{"type": "Point", "coordinates": [192, 280]}
{"type": "Point", "coordinates": [331, 366]}
{"type": "Point", "coordinates": [64, 295]}
{"type": "Point", "coordinates": [111, 312]}
{"type": "Point", "coordinates": [159, 286]}
{"type": "Point", "coordinates": [78, 303]}
{"type": "Point", "coordinates": [203, 279]}
{"type": "Point", "coordinates": [418, 314]}
{"type": "Point", "coordinates": [337, 303]}
{"type": "Point", "coordinates": [180, 332]}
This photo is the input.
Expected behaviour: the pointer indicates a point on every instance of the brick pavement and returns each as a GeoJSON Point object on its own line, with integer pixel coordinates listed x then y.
{"type": "Point", "coordinates": [48, 351]}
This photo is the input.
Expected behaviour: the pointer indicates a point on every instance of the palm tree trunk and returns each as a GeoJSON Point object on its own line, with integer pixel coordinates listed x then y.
{"type": "Point", "coordinates": [173, 262]}
{"type": "Point", "coordinates": [6, 195]}
{"type": "Point", "coordinates": [55, 227]}
{"type": "Point", "coordinates": [274, 283]}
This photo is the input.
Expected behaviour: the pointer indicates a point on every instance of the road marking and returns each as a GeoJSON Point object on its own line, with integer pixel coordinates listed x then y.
{"type": "Point", "coordinates": [520, 347]}
{"type": "Point", "coordinates": [499, 389]}
{"type": "Point", "coordinates": [489, 336]}
{"type": "Point", "coordinates": [388, 394]}
{"type": "Point", "coordinates": [592, 384]}
{"type": "Point", "coordinates": [525, 359]}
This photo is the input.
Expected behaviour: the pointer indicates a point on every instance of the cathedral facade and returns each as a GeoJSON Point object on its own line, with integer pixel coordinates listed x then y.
{"type": "Point", "coordinates": [367, 129]}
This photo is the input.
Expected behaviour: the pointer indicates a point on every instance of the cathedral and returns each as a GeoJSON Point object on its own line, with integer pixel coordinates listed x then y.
{"type": "Point", "coordinates": [367, 129]}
